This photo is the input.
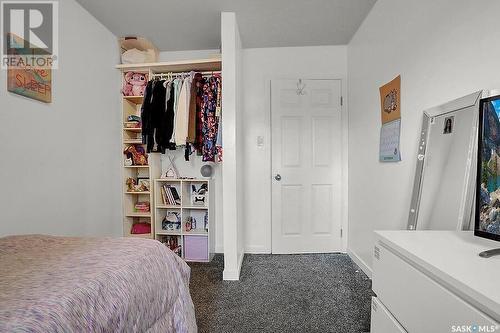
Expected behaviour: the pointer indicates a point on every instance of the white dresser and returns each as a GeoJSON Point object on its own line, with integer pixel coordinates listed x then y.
{"type": "Point", "coordinates": [434, 281]}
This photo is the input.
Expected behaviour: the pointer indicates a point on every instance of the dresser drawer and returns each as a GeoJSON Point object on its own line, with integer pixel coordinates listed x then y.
{"type": "Point", "coordinates": [382, 321]}
{"type": "Point", "coordinates": [420, 304]}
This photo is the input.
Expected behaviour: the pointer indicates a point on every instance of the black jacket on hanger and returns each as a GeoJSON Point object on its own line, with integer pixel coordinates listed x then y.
{"type": "Point", "coordinates": [157, 117]}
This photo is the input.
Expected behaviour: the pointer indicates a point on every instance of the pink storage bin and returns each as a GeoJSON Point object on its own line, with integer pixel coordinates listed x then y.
{"type": "Point", "coordinates": [196, 248]}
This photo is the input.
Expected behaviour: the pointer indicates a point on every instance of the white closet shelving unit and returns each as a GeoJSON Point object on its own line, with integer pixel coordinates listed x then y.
{"type": "Point", "coordinates": [197, 244]}
{"type": "Point", "coordinates": [131, 105]}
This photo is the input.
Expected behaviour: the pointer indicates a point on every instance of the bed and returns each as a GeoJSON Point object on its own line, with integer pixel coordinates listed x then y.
{"type": "Point", "coordinates": [69, 284]}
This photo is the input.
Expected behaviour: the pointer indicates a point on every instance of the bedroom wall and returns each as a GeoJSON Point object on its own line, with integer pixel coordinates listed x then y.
{"type": "Point", "coordinates": [59, 173]}
{"type": "Point", "coordinates": [260, 66]}
{"type": "Point", "coordinates": [443, 50]}
{"type": "Point", "coordinates": [232, 167]}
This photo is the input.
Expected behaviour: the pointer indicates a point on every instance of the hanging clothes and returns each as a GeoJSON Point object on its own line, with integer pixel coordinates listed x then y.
{"type": "Point", "coordinates": [177, 85]}
{"type": "Point", "coordinates": [182, 114]}
{"type": "Point", "coordinates": [157, 116]}
{"type": "Point", "coordinates": [169, 121]}
{"type": "Point", "coordinates": [208, 119]}
{"type": "Point", "coordinates": [194, 107]}
{"type": "Point", "coordinates": [218, 114]}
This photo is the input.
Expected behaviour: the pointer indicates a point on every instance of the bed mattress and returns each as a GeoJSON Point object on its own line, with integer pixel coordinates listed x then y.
{"type": "Point", "coordinates": [68, 284]}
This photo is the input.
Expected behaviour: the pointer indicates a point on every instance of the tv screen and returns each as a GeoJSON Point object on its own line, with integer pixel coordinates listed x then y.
{"type": "Point", "coordinates": [487, 222]}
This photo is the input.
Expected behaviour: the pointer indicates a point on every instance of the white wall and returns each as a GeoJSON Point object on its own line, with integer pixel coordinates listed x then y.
{"type": "Point", "coordinates": [443, 50]}
{"type": "Point", "coordinates": [232, 132]}
{"type": "Point", "coordinates": [260, 66]}
{"type": "Point", "coordinates": [61, 161]}
{"type": "Point", "coordinates": [188, 55]}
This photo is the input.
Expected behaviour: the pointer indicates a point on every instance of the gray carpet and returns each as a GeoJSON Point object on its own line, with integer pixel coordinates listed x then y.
{"type": "Point", "coordinates": [283, 293]}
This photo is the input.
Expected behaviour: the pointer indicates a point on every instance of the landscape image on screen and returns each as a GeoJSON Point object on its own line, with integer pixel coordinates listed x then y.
{"type": "Point", "coordinates": [489, 173]}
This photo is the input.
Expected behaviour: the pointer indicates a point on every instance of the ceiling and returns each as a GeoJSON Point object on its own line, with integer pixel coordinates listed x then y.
{"type": "Point", "coordinates": [175, 25]}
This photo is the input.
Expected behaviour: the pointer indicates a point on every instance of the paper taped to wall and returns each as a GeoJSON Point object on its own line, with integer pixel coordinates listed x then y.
{"type": "Point", "coordinates": [389, 141]}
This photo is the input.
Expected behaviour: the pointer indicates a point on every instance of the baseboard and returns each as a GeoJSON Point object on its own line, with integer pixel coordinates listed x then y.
{"type": "Point", "coordinates": [233, 274]}
{"type": "Point", "coordinates": [366, 269]}
{"type": "Point", "coordinates": [257, 250]}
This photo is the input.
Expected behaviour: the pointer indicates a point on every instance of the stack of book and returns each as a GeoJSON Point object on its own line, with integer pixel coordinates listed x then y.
{"type": "Point", "coordinates": [170, 195]}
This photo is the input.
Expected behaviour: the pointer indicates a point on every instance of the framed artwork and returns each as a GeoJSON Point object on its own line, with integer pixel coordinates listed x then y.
{"type": "Point", "coordinates": [390, 100]}
{"type": "Point", "coordinates": [144, 182]}
{"type": "Point", "coordinates": [28, 81]}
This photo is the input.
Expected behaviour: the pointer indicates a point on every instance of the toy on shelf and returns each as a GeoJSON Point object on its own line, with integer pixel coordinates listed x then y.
{"type": "Point", "coordinates": [198, 196]}
{"type": "Point", "coordinates": [141, 185]}
{"type": "Point", "coordinates": [134, 84]}
{"type": "Point", "coordinates": [137, 154]}
{"type": "Point", "coordinates": [171, 221]}
{"type": "Point", "coordinates": [172, 242]}
{"type": "Point", "coordinates": [190, 223]}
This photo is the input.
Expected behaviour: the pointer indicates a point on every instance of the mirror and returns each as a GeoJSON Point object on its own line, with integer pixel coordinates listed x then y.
{"type": "Point", "coordinates": [443, 190]}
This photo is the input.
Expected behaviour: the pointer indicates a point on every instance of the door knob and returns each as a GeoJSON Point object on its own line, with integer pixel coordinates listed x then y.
{"type": "Point", "coordinates": [277, 177]}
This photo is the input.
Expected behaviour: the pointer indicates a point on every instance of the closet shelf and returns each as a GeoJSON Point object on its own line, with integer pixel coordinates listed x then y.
{"type": "Point", "coordinates": [134, 99]}
{"type": "Point", "coordinates": [132, 141]}
{"type": "Point", "coordinates": [214, 64]}
{"type": "Point", "coordinates": [138, 215]}
{"type": "Point", "coordinates": [194, 207]}
{"type": "Point", "coordinates": [132, 129]}
{"type": "Point", "coordinates": [139, 193]}
{"type": "Point", "coordinates": [196, 232]}
{"type": "Point", "coordinates": [149, 236]}
{"type": "Point", "coordinates": [168, 233]}
{"type": "Point", "coordinates": [168, 206]}
{"type": "Point", "coordinates": [136, 166]}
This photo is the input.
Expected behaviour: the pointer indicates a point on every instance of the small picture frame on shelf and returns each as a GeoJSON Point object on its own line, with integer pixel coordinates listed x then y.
{"type": "Point", "coordinates": [144, 184]}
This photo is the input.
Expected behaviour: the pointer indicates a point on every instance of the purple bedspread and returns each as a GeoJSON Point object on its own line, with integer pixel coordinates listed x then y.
{"type": "Point", "coordinates": [67, 284]}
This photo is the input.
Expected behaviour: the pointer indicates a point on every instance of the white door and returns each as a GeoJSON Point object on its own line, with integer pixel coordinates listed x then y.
{"type": "Point", "coordinates": [306, 166]}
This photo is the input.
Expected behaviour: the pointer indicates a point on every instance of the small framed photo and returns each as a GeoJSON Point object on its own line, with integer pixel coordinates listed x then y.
{"type": "Point", "coordinates": [144, 183]}
{"type": "Point", "coordinates": [448, 125]}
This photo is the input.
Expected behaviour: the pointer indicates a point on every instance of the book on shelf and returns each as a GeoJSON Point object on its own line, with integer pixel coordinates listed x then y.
{"type": "Point", "coordinates": [170, 195]}
{"type": "Point", "coordinates": [163, 195]}
{"type": "Point", "coordinates": [177, 197]}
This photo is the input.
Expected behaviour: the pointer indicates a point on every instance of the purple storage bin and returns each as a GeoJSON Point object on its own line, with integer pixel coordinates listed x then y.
{"type": "Point", "coordinates": [196, 248]}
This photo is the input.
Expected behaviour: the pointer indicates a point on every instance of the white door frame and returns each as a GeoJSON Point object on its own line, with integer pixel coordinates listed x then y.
{"type": "Point", "coordinates": [344, 220]}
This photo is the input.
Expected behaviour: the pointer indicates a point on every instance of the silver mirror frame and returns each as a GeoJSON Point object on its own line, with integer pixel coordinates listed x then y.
{"type": "Point", "coordinates": [468, 193]}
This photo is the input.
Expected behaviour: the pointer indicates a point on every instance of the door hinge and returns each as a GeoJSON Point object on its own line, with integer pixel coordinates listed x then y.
{"type": "Point", "coordinates": [341, 232]}
{"type": "Point", "coordinates": [341, 101]}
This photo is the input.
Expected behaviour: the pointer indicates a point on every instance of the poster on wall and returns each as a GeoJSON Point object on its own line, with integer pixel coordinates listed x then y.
{"type": "Point", "coordinates": [25, 79]}
{"type": "Point", "coordinates": [35, 83]}
{"type": "Point", "coordinates": [390, 100]}
{"type": "Point", "coordinates": [390, 109]}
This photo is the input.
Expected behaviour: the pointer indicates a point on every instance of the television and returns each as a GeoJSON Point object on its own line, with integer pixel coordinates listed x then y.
{"type": "Point", "coordinates": [487, 221]}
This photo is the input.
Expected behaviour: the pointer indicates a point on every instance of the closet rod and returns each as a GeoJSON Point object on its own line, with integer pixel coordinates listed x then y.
{"type": "Point", "coordinates": [185, 73]}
